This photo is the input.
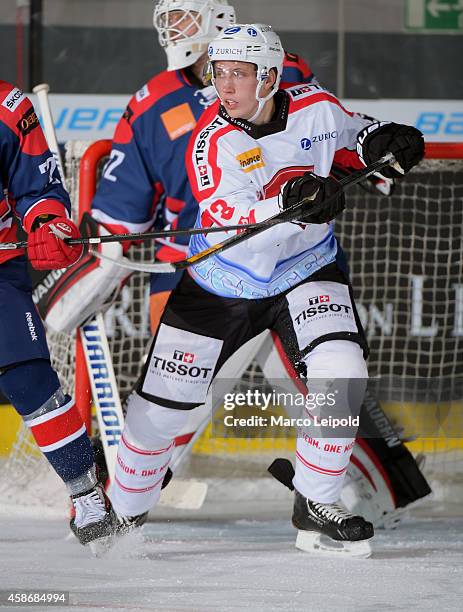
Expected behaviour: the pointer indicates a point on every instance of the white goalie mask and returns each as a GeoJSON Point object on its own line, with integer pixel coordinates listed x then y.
{"type": "Point", "coordinates": [255, 43]}
{"type": "Point", "coordinates": [186, 27]}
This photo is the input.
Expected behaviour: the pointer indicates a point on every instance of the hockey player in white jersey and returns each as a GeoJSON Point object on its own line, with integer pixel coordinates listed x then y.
{"type": "Point", "coordinates": [257, 151]}
{"type": "Point", "coordinates": [124, 202]}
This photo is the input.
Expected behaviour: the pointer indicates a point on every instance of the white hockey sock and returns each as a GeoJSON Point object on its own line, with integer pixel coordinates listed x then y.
{"type": "Point", "coordinates": [321, 463]}
{"type": "Point", "coordinates": [143, 455]}
{"type": "Point", "coordinates": [320, 470]}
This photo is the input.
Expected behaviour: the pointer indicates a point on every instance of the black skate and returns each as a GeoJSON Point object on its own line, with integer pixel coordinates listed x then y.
{"type": "Point", "coordinates": [94, 521]}
{"type": "Point", "coordinates": [330, 528]}
{"type": "Point", "coordinates": [127, 524]}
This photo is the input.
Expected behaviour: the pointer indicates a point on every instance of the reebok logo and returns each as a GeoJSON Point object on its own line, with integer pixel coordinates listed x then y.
{"type": "Point", "coordinates": [31, 326]}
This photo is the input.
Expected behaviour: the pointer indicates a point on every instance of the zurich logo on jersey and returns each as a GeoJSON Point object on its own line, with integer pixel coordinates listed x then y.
{"type": "Point", "coordinates": [233, 30]}
{"type": "Point", "coordinates": [251, 32]}
{"type": "Point", "coordinates": [306, 144]}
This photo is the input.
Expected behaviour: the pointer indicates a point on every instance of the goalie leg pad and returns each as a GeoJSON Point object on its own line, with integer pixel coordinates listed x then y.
{"type": "Point", "coordinates": [338, 367]}
{"type": "Point", "coordinates": [383, 477]}
{"type": "Point", "coordinates": [143, 455]}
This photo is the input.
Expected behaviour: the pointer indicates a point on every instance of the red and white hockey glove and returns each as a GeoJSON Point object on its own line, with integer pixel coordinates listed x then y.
{"type": "Point", "coordinates": [46, 248]}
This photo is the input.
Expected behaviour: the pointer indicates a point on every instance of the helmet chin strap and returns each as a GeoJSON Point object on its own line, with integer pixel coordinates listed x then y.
{"type": "Point", "coordinates": [261, 101]}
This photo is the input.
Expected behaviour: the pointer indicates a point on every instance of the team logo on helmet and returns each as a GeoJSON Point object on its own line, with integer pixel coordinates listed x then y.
{"type": "Point", "coordinates": [251, 32]}
{"type": "Point", "coordinates": [233, 30]}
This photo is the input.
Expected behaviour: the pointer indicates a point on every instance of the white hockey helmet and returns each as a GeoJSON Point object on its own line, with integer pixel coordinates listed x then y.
{"type": "Point", "coordinates": [256, 43]}
{"type": "Point", "coordinates": [207, 19]}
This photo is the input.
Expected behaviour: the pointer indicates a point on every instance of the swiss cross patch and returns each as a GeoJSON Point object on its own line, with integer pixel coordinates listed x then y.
{"type": "Point", "coordinates": [202, 170]}
{"type": "Point", "coordinates": [182, 356]}
{"type": "Point", "coordinates": [318, 299]}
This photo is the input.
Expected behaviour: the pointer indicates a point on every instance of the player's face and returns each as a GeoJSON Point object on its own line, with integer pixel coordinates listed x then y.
{"type": "Point", "coordinates": [179, 24]}
{"type": "Point", "coordinates": [236, 84]}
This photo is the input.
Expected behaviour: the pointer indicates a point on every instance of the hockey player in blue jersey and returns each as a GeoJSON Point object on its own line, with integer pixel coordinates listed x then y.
{"type": "Point", "coordinates": [33, 195]}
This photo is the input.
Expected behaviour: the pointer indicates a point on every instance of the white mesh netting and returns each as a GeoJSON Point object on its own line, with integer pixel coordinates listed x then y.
{"type": "Point", "coordinates": [405, 255]}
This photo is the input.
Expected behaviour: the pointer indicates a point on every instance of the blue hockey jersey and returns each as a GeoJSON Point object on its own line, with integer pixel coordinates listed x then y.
{"type": "Point", "coordinates": [30, 183]}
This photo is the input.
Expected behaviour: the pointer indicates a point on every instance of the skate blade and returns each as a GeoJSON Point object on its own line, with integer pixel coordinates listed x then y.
{"type": "Point", "coordinates": [101, 546]}
{"type": "Point", "coordinates": [318, 543]}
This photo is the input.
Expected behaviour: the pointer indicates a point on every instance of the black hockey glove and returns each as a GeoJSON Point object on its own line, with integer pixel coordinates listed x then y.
{"type": "Point", "coordinates": [403, 141]}
{"type": "Point", "coordinates": [318, 189]}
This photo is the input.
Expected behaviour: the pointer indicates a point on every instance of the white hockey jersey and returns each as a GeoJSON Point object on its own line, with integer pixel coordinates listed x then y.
{"type": "Point", "coordinates": [237, 170]}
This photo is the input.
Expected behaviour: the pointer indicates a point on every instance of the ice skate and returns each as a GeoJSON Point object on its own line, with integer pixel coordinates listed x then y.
{"type": "Point", "coordinates": [127, 524]}
{"type": "Point", "coordinates": [94, 521]}
{"type": "Point", "coordinates": [330, 528]}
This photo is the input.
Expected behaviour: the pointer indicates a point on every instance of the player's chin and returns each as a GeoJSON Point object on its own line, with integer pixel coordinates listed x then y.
{"type": "Point", "coordinates": [234, 110]}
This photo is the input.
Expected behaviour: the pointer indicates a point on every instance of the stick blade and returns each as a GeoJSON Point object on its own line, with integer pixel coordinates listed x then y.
{"type": "Point", "coordinates": [184, 494]}
{"type": "Point", "coordinates": [283, 470]}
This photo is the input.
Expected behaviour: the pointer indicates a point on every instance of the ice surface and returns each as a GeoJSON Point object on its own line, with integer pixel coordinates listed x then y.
{"type": "Point", "coordinates": [213, 564]}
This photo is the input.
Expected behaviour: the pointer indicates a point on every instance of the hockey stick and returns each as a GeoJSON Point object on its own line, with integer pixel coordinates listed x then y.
{"type": "Point", "coordinates": [144, 237]}
{"type": "Point", "coordinates": [247, 230]}
{"type": "Point", "coordinates": [291, 214]}
{"type": "Point", "coordinates": [41, 91]}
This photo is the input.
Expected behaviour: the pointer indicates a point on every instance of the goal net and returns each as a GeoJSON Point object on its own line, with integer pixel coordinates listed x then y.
{"type": "Point", "coordinates": [405, 255]}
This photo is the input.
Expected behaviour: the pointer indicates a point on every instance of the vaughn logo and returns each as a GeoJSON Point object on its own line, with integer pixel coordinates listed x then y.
{"type": "Point", "coordinates": [186, 357]}
{"type": "Point", "coordinates": [13, 99]}
{"type": "Point", "coordinates": [31, 326]}
{"type": "Point", "coordinates": [43, 288]}
{"type": "Point", "coordinates": [251, 160]}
